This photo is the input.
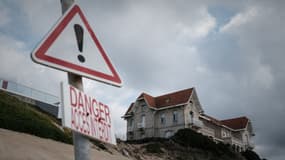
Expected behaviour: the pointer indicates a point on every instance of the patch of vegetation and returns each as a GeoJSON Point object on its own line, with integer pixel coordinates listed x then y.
{"type": "Point", "coordinates": [153, 148]}
{"type": "Point", "coordinates": [250, 155]}
{"type": "Point", "coordinates": [19, 116]}
{"type": "Point", "coordinates": [99, 144]}
{"type": "Point", "coordinates": [190, 138]}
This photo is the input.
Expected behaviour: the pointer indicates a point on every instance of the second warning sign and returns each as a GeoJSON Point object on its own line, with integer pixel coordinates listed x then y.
{"type": "Point", "coordinates": [85, 114]}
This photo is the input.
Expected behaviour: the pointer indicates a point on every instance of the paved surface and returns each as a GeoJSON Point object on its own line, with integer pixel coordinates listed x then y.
{"type": "Point", "coordinates": [21, 146]}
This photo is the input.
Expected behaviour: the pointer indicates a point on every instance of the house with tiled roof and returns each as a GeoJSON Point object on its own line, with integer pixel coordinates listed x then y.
{"type": "Point", "coordinates": [164, 115]}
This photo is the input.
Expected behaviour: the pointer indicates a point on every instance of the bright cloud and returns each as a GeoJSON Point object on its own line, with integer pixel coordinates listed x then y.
{"type": "Point", "coordinates": [200, 28]}
{"type": "Point", "coordinates": [240, 19]}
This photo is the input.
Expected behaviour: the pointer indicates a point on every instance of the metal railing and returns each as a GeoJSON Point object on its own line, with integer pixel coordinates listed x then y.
{"type": "Point", "coordinates": [29, 92]}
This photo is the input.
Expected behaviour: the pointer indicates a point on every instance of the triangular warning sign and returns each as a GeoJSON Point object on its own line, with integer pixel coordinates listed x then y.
{"type": "Point", "coordinates": [72, 46]}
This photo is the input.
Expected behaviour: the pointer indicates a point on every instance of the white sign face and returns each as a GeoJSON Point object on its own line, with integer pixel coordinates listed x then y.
{"type": "Point", "coordinates": [85, 114]}
{"type": "Point", "coordinates": [72, 46]}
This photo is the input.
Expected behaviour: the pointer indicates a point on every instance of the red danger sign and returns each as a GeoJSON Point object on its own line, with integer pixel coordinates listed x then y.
{"type": "Point", "coordinates": [85, 114]}
{"type": "Point", "coordinates": [83, 55]}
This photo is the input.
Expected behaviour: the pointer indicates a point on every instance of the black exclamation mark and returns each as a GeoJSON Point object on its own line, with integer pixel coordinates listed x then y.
{"type": "Point", "coordinates": [79, 37]}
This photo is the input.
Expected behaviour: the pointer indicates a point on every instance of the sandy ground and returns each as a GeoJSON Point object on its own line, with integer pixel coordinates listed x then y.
{"type": "Point", "coordinates": [21, 146]}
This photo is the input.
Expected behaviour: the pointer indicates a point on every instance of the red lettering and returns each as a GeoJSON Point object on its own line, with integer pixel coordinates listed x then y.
{"type": "Point", "coordinates": [101, 118]}
{"type": "Point", "coordinates": [88, 105]}
{"type": "Point", "coordinates": [107, 133]}
{"type": "Point", "coordinates": [75, 119]}
{"type": "Point", "coordinates": [85, 123]}
{"type": "Point", "coordinates": [89, 116]}
{"type": "Point", "coordinates": [107, 114]}
{"type": "Point", "coordinates": [73, 96]}
{"type": "Point", "coordinates": [94, 105]}
{"type": "Point", "coordinates": [94, 127]}
{"type": "Point", "coordinates": [80, 102]}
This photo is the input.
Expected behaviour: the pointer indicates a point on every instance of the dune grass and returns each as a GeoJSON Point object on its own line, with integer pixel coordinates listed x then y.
{"type": "Point", "coordinates": [19, 116]}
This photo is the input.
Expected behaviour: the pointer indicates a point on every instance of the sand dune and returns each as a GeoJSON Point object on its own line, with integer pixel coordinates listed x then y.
{"type": "Point", "coordinates": [21, 146]}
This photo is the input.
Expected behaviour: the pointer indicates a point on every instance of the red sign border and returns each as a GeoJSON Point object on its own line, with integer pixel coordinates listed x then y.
{"type": "Point", "coordinates": [40, 56]}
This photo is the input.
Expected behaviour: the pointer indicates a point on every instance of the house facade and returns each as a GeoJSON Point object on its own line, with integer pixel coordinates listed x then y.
{"type": "Point", "coordinates": [164, 115]}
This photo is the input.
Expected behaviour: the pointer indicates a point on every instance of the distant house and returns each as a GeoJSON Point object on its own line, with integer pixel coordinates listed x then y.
{"type": "Point", "coordinates": [164, 115]}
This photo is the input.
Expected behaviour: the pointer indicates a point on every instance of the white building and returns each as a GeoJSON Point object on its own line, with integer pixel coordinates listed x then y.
{"type": "Point", "coordinates": [163, 116]}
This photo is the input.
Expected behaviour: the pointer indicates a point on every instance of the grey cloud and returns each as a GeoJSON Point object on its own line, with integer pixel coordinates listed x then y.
{"type": "Point", "coordinates": [16, 66]}
{"type": "Point", "coordinates": [235, 64]}
{"type": "Point", "coordinates": [144, 39]}
{"type": "Point", "coordinates": [238, 72]}
{"type": "Point", "coordinates": [259, 73]}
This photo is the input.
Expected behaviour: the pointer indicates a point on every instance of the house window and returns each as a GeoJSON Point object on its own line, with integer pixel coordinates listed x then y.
{"type": "Point", "coordinates": [142, 103]}
{"type": "Point", "coordinates": [162, 119]}
{"type": "Point", "coordinates": [143, 106]}
{"type": "Point", "coordinates": [247, 139]}
{"type": "Point", "coordinates": [224, 134]}
{"type": "Point", "coordinates": [175, 116]}
{"type": "Point", "coordinates": [143, 121]}
{"type": "Point", "coordinates": [131, 122]}
{"type": "Point", "coordinates": [191, 113]}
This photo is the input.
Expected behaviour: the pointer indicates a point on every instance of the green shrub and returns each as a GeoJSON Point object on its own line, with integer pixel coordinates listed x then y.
{"type": "Point", "coordinates": [190, 138]}
{"type": "Point", "coordinates": [250, 155]}
{"type": "Point", "coordinates": [99, 144]}
{"type": "Point", "coordinates": [19, 116]}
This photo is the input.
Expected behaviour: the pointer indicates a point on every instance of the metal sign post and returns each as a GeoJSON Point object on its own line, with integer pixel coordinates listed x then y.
{"type": "Point", "coordinates": [87, 119]}
{"type": "Point", "coordinates": [80, 142]}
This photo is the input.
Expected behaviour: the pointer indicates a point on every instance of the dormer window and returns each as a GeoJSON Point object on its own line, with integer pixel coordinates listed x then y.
{"type": "Point", "coordinates": [143, 104]}
{"type": "Point", "coordinates": [167, 100]}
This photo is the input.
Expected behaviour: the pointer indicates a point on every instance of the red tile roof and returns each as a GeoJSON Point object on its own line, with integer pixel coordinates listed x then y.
{"type": "Point", "coordinates": [130, 108]}
{"type": "Point", "coordinates": [175, 98]}
{"type": "Point", "coordinates": [233, 123]}
{"type": "Point", "coordinates": [169, 99]}
{"type": "Point", "coordinates": [213, 120]}
{"type": "Point", "coordinates": [166, 100]}
{"type": "Point", "coordinates": [236, 123]}
{"type": "Point", "coordinates": [150, 100]}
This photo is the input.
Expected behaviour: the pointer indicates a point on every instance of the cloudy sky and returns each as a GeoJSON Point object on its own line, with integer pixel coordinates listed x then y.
{"type": "Point", "coordinates": [230, 51]}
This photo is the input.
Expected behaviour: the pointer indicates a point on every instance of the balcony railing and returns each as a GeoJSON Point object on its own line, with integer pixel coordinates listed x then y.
{"type": "Point", "coordinates": [233, 140]}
